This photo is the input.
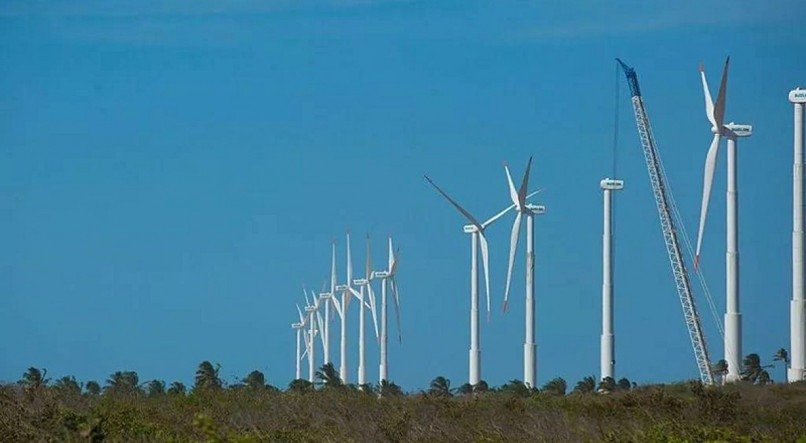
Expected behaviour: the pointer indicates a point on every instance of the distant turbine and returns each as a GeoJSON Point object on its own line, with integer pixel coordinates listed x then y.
{"type": "Point", "coordinates": [388, 274]}
{"type": "Point", "coordinates": [797, 368]}
{"type": "Point", "coordinates": [716, 115]}
{"type": "Point", "coordinates": [476, 231]}
{"type": "Point", "coordinates": [299, 330]}
{"type": "Point", "coordinates": [367, 301]}
{"type": "Point", "coordinates": [522, 208]}
{"type": "Point", "coordinates": [607, 349]}
{"type": "Point", "coordinates": [346, 291]}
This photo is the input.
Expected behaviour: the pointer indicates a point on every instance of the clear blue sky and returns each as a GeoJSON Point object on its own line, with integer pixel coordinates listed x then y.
{"type": "Point", "coordinates": [172, 172]}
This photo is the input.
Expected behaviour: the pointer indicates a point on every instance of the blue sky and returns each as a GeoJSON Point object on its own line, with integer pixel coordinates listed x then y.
{"type": "Point", "coordinates": [171, 173]}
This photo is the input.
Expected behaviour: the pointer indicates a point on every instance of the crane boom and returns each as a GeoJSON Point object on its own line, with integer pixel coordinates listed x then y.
{"type": "Point", "coordinates": [670, 236]}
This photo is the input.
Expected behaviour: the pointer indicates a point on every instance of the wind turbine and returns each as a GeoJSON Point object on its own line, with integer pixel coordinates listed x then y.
{"type": "Point", "coordinates": [797, 368]}
{"type": "Point", "coordinates": [364, 297]}
{"type": "Point", "coordinates": [388, 274]}
{"type": "Point", "coordinates": [522, 208]}
{"type": "Point", "coordinates": [476, 231]}
{"type": "Point", "coordinates": [607, 346]}
{"type": "Point", "coordinates": [299, 330]}
{"type": "Point", "coordinates": [346, 291]}
{"type": "Point", "coordinates": [716, 114]}
{"type": "Point", "coordinates": [312, 310]}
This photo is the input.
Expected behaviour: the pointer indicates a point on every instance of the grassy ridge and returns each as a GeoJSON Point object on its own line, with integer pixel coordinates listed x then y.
{"type": "Point", "coordinates": [679, 412]}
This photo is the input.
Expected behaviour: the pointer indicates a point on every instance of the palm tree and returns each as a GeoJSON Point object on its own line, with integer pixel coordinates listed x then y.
{"type": "Point", "coordinates": [34, 378]}
{"type": "Point", "coordinates": [329, 376]}
{"type": "Point", "coordinates": [515, 387]}
{"type": "Point", "coordinates": [720, 369]}
{"type": "Point", "coordinates": [255, 380]}
{"type": "Point", "coordinates": [207, 376]}
{"type": "Point", "coordinates": [67, 386]}
{"type": "Point", "coordinates": [93, 388]}
{"type": "Point", "coordinates": [389, 389]}
{"type": "Point", "coordinates": [440, 387]}
{"type": "Point", "coordinates": [123, 382]}
{"type": "Point", "coordinates": [607, 385]}
{"type": "Point", "coordinates": [783, 357]}
{"type": "Point", "coordinates": [465, 389]}
{"type": "Point", "coordinates": [177, 388]}
{"type": "Point", "coordinates": [586, 385]}
{"type": "Point", "coordinates": [623, 384]}
{"type": "Point", "coordinates": [556, 386]}
{"type": "Point", "coordinates": [300, 385]}
{"type": "Point", "coordinates": [155, 388]}
{"type": "Point", "coordinates": [752, 369]}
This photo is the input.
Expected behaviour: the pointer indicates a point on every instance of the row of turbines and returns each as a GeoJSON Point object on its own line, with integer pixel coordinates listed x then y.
{"type": "Point", "coordinates": [315, 318]}
{"type": "Point", "coordinates": [311, 324]}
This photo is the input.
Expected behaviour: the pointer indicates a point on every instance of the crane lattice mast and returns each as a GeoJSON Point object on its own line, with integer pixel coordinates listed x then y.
{"type": "Point", "coordinates": [670, 237]}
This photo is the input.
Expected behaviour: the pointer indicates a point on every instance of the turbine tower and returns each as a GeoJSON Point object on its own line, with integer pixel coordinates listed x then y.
{"type": "Point", "coordinates": [607, 350]}
{"type": "Point", "coordinates": [299, 330]}
{"type": "Point", "coordinates": [522, 208]}
{"type": "Point", "coordinates": [311, 311]}
{"type": "Point", "coordinates": [797, 368]}
{"type": "Point", "coordinates": [731, 131]}
{"type": "Point", "coordinates": [367, 300]}
{"type": "Point", "coordinates": [388, 274]}
{"type": "Point", "coordinates": [476, 231]}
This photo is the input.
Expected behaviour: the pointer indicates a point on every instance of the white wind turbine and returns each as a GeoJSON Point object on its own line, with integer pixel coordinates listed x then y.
{"type": "Point", "coordinates": [367, 300]}
{"type": "Point", "coordinates": [797, 316]}
{"type": "Point", "coordinates": [716, 115]}
{"type": "Point", "coordinates": [313, 318]}
{"type": "Point", "coordinates": [388, 274]}
{"type": "Point", "coordinates": [299, 329]}
{"type": "Point", "coordinates": [476, 231]}
{"type": "Point", "coordinates": [522, 208]}
{"type": "Point", "coordinates": [346, 291]}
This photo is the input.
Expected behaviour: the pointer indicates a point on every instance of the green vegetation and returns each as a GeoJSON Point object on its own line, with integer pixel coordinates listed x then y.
{"type": "Point", "coordinates": [249, 410]}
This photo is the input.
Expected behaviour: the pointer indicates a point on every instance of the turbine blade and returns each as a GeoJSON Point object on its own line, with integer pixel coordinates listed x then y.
{"type": "Point", "coordinates": [709, 103]}
{"type": "Point", "coordinates": [337, 305]}
{"type": "Point", "coordinates": [513, 247]}
{"type": "Point", "coordinates": [333, 269]}
{"type": "Point", "coordinates": [356, 294]}
{"type": "Point", "coordinates": [368, 269]}
{"type": "Point", "coordinates": [456, 205]}
{"type": "Point", "coordinates": [719, 107]}
{"type": "Point", "coordinates": [708, 179]}
{"type": "Point", "coordinates": [392, 259]}
{"type": "Point", "coordinates": [513, 193]}
{"type": "Point", "coordinates": [349, 263]}
{"type": "Point", "coordinates": [373, 310]}
{"type": "Point", "coordinates": [524, 184]}
{"type": "Point", "coordinates": [301, 318]}
{"type": "Point", "coordinates": [485, 261]}
{"type": "Point", "coordinates": [397, 309]}
{"type": "Point", "coordinates": [319, 323]}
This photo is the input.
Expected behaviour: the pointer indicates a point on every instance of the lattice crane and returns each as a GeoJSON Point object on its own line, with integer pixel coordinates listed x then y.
{"type": "Point", "coordinates": [670, 234]}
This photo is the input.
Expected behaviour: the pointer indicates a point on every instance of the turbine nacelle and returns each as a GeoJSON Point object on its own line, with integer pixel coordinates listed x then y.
{"type": "Point", "coordinates": [361, 282]}
{"type": "Point", "coordinates": [536, 209]}
{"type": "Point", "coordinates": [470, 229]}
{"type": "Point", "coordinates": [342, 288]}
{"type": "Point", "coordinates": [381, 274]}
{"type": "Point", "coordinates": [325, 295]}
{"type": "Point", "coordinates": [611, 184]}
{"type": "Point", "coordinates": [797, 95]}
{"type": "Point", "coordinates": [297, 325]}
{"type": "Point", "coordinates": [310, 309]}
{"type": "Point", "coordinates": [737, 130]}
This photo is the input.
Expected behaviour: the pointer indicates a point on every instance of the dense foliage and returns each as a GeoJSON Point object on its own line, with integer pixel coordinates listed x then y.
{"type": "Point", "coordinates": [249, 410]}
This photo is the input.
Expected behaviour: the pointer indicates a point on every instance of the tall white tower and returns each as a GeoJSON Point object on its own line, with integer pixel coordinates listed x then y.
{"type": "Point", "coordinates": [733, 316]}
{"type": "Point", "coordinates": [608, 357]}
{"type": "Point", "coordinates": [797, 369]}
{"type": "Point", "coordinates": [529, 346]}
